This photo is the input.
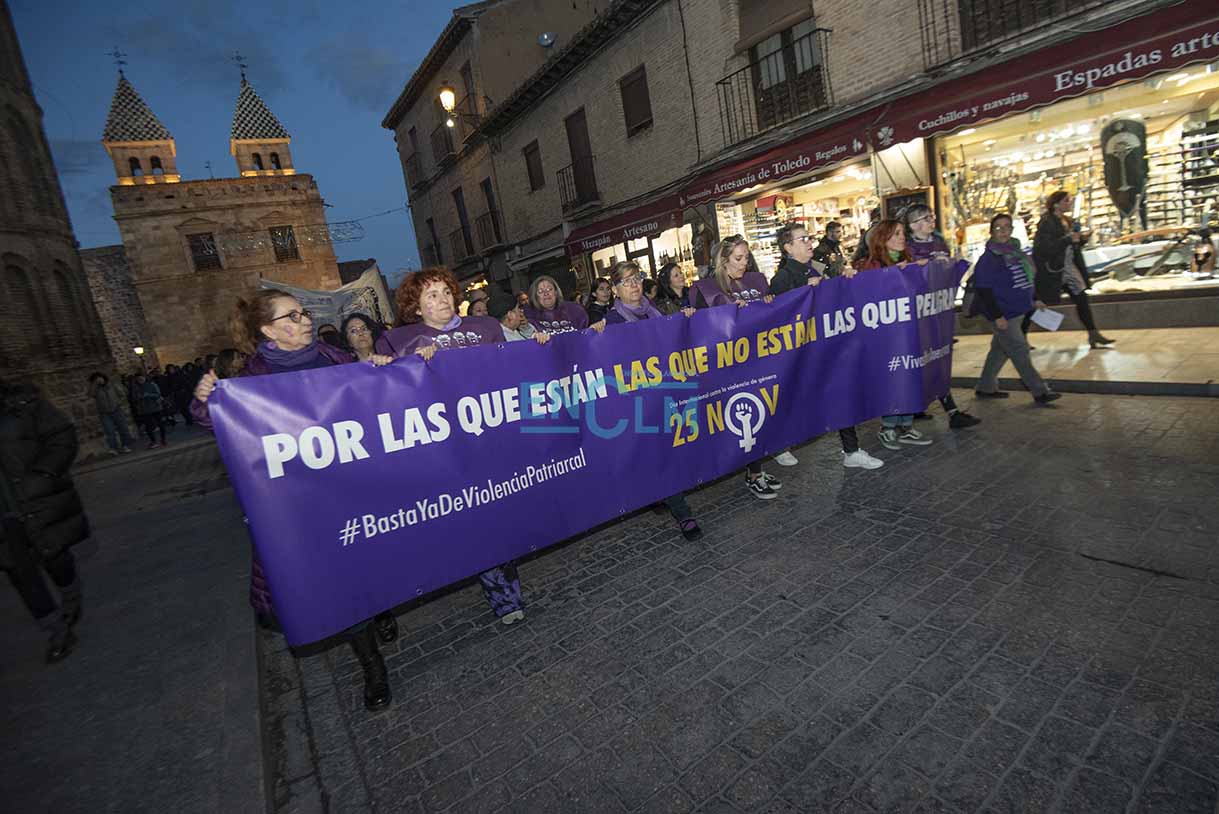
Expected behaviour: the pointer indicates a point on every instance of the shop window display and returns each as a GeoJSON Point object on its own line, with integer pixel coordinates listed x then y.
{"type": "Point", "coordinates": [671, 245]}
{"type": "Point", "coordinates": [846, 196]}
{"type": "Point", "coordinates": [1142, 161]}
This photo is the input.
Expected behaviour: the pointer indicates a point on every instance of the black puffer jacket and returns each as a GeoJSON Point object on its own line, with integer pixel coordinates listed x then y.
{"type": "Point", "coordinates": [37, 497]}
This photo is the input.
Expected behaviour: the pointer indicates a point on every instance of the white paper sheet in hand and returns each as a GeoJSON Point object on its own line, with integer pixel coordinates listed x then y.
{"type": "Point", "coordinates": [1050, 320]}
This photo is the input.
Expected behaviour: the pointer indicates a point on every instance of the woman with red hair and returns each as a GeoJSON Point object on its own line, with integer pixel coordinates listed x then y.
{"type": "Point", "coordinates": [427, 304]}
{"type": "Point", "coordinates": [887, 248]}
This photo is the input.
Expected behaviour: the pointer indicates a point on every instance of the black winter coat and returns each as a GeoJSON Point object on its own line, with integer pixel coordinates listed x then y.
{"type": "Point", "coordinates": [1050, 246]}
{"type": "Point", "coordinates": [37, 497]}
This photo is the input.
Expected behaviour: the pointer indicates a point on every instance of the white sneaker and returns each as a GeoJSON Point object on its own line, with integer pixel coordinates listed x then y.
{"type": "Point", "coordinates": [861, 460]}
{"type": "Point", "coordinates": [512, 618]}
{"type": "Point", "coordinates": [785, 458]}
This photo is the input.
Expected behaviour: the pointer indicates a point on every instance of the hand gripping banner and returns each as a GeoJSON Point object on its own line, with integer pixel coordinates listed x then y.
{"type": "Point", "coordinates": [366, 487]}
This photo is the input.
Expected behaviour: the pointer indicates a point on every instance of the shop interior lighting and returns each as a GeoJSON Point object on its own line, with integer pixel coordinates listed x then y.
{"type": "Point", "coordinates": [1040, 137]}
{"type": "Point", "coordinates": [1176, 76]}
{"type": "Point", "coordinates": [968, 131]}
{"type": "Point", "coordinates": [989, 142]}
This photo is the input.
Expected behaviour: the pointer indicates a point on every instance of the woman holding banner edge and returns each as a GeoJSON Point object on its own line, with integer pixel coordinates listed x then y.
{"type": "Point", "coordinates": [277, 332]}
{"type": "Point", "coordinates": [427, 307]}
{"type": "Point", "coordinates": [732, 283]}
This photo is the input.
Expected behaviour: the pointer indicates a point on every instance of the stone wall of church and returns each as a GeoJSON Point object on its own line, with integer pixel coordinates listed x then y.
{"type": "Point", "coordinates": [186, 294]}
{"type": "Point", "coordinates": [117, 304]}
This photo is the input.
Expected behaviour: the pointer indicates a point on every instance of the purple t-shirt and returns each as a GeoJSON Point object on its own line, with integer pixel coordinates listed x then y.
{"type": "Point", "coordinates": [470, 331]}
{"type": "Point", "coordinates": [568, 316]}
{"type": "Point", "coordinates": [752, 286]}
{"type": "Point", "coordinates": [928, 249]}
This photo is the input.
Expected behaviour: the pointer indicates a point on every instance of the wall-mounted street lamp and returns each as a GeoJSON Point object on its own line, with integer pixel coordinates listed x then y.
{"type": "Point", "coordinates": [448, 100]}
{"type": "Point", "coordinates": [138, 350]}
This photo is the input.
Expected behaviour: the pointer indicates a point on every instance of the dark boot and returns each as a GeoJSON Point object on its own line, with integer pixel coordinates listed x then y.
{"type": "Point", "coordinates": [376, 677]}
{"type": "Point", "coordinates": [62, 639]}
{"type": "Point", "coordinates": [387, 626]}
{"type": "Point", "coordinates": [72, 609]}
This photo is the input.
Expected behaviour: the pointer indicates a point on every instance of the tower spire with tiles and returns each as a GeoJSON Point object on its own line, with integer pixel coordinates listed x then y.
{"type": "Point", "coordinates": [258, 141]}
{"type": "Point", "coordinates": [141, 147]}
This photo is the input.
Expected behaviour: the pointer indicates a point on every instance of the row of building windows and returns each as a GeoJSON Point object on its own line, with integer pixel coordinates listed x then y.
{"type": "Point", "coordinates": [636, 115]}
{"type": "Point", "coordinates": [205, 256]}
{"type": "Point", "coordinates": [154, 166]}
{"type": "Point", "coordinates": [256, 158]}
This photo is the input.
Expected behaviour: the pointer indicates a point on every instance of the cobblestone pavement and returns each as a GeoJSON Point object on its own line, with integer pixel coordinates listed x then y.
{"type": "Point", "coordinates": [1019, 618]}
{"type": "Point", "coordinates": [157, 709]}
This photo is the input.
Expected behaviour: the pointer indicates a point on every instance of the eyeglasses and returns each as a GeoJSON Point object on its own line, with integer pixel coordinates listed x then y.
{"type": "Point", "coordinates": [923, 218]}
{"type": "Point", "coordinates": [357, 330]}
{"type": "Point", "coordinates": [634, 279]}
{"type": "Point", "coordinates": [295, 316]}
{"type": "Point", "coordinates": [804, 238]}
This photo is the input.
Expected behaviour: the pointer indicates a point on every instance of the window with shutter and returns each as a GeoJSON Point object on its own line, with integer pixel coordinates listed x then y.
{"type": "Point", "coordinates": [533, 164]}
{"type": "Point", "coordinates": [636, 103]}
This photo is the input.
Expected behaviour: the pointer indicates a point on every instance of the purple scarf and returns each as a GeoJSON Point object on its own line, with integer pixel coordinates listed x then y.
{"type": "Point", "coordinates": [309, 356]}
{"type": "Point", "coordinates": [1012, 253]}
{"type": "Point", "coordinates": [645, 310]}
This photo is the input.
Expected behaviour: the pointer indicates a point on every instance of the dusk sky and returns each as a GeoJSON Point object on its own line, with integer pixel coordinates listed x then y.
{"type": "Point", "coordinates": [328, 70]}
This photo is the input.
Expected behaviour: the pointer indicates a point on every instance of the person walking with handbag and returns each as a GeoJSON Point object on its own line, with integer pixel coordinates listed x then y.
{"type": "Point", "coordinates": [1059, 255]}
{"type": "Point", "coordinates": [1003, 293]}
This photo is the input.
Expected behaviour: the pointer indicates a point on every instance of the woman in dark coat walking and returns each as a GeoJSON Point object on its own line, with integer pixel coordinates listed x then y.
{"type": "Point", "coordinates": [1058, 252]}
{"type": "Point", "coordinates": [41, 511]}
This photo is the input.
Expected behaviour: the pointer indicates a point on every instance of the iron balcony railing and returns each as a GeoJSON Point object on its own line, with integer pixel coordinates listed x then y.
{"type": "Point", "coordinates": [490, 232]}
{"type": "Point", "coordinates": [466, 118]}
{"type": "Point", "coordinates": [950, 29]}
{"type": "Point", "coordinates": [578, 184]}
{"type": "Point", "coordinates": [414, 170]}
{"type": "Point", "coordinates": [442, 144]}
{"type": "Point", "coordinates": [459, 245]}
{"type": "Point", "coordinates": [783, 85]}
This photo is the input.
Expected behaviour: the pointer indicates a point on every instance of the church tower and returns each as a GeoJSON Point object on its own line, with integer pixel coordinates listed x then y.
{"type": "Point", "coordinates": [142, 149]}
{"type": "Point", "coordinates": [258, 141]}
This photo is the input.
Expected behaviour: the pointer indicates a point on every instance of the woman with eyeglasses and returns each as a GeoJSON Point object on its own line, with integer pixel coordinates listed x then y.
{"type": "Point", "coordinates": [631, 306]}
{"type": "Point", "coordinates": [427, 305]}
{"type": "Point", "coordinates": [361, 333]}
{"type": "Point", "coordinates": [733, 283]}
{"type": "Point", "coordinates": [277, 333]}
{"type": "Point", "coordinates": [925, 243]}
{"type": "Point", "coordinates": [796, 247]}
{"type": "Point", "coordinates": [549, 313]}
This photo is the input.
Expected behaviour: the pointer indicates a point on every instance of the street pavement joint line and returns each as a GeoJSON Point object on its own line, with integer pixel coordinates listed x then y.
{"type": "Point", "coordinates": [1144, 569]}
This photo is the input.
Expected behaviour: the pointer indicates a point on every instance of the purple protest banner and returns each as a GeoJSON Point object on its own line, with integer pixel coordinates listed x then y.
{"type": "Point", "coordinates": [365, 487]}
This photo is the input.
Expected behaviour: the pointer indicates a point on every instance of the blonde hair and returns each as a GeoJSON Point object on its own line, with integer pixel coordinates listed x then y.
{"type": "Point", "coordinates": [727, 247]}
{"type": "Point", "coordinates": [249, 315]}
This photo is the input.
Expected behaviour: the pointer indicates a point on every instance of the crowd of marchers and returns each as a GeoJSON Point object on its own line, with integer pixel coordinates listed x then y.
{"type": "Point", "coordinates": [273, 333]}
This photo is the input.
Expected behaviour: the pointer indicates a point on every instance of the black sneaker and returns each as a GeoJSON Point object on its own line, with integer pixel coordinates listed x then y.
{"type": "Point", "coordinates": [771, 481]}
{"type": "Point", "coordinates": [386, 625]}
{"type": "Point", "coordinates": [760, 489]}
{"type": "Point", "coordinates": [960, 420]}
{"type": "Point", "coordinates": [1047, 397]}
{"type": "Point", "coordinates": [998, 394]}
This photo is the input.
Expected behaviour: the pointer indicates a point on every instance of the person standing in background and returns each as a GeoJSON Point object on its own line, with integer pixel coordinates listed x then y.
{"type": "Point", "coordinates": [108, 398]}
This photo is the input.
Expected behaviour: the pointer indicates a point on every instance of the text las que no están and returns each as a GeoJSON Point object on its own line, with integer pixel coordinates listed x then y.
{"type": "Point", "coordinates": [318, 447]}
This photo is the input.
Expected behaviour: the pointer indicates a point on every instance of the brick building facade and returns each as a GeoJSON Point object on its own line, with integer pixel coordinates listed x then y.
{"type": "Point", "coordinates": [661, 113]}
{"type": "Point", "coordinates": [483, 55]}
{"type": "Point", "coordinates": [50, 333]}
{"type": "Point", "coordinates": [191, 247]}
